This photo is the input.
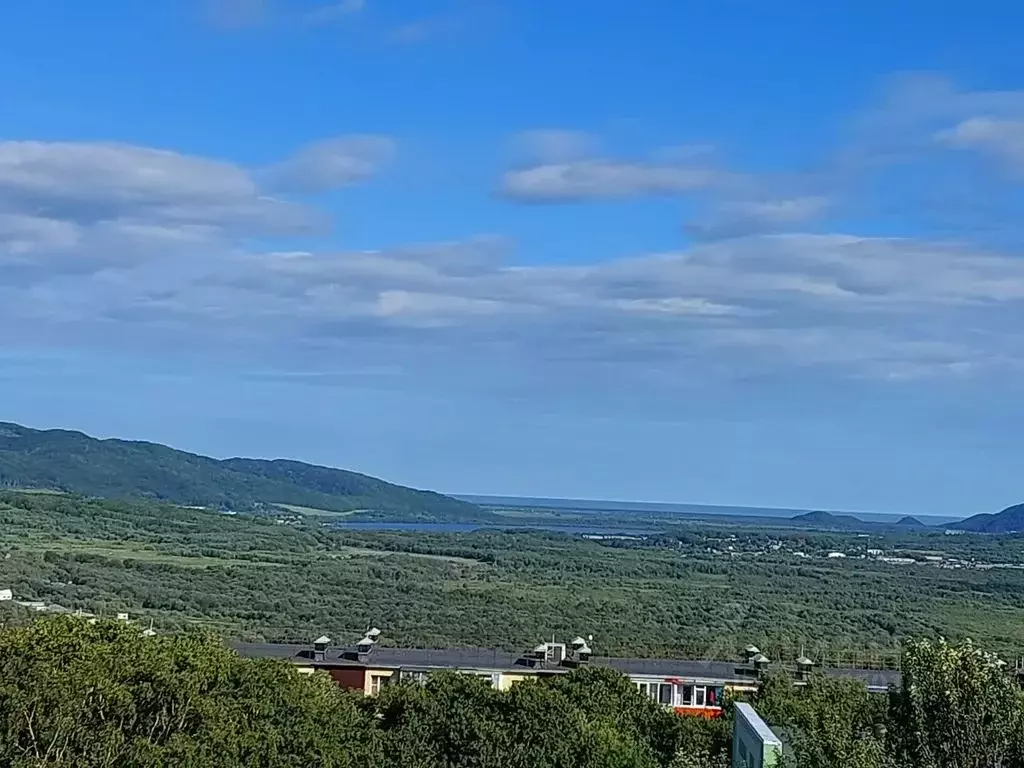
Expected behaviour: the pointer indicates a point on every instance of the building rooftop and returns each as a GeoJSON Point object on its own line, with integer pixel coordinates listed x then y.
{"type": "Point", "coordinates": [491, 659]}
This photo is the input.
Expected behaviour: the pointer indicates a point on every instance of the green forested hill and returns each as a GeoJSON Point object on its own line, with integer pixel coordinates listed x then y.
{"type": "Point", "coordinates": [75, 462]}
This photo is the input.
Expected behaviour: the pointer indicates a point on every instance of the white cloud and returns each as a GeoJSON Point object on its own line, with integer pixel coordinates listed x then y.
{"type": "Point", "coordinates": [747, 217]}
{"type": "Point", "coordinates": [80, 207]}
{"type": "Point", "coordinates": [331, 163]}
{"type": "Point", "coordinates": [1003, 139]}
{"type": "Point", "coordinates": [886, 308]}
{"type": "Point", "coordinates": [557, 166]}
{"type": "Point", "coordinates": [109, 241]}
{"type": "Point", "coordinates": [602, 179]}
{"type": "Point", "coordinates": [86, 182]}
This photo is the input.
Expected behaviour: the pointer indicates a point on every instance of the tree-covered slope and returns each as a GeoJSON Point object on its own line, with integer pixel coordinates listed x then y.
{"type": "Point", "coordinates": [1010, 520]}
{"type": "Point", "coordinates": [75, 462]}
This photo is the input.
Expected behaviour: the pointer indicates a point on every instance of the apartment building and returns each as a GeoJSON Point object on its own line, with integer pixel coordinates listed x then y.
{"type": "Point", "coordinates": [690, 687]}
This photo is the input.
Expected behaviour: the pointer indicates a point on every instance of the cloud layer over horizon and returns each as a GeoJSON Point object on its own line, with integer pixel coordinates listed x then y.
{"type": "Point", "coordinates": [109, 241]}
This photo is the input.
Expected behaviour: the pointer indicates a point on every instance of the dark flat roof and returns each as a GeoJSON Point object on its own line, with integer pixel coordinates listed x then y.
{"type": "Point", "coordinates": [491, 659]}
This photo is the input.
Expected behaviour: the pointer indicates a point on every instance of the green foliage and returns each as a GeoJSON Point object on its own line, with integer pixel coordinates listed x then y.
{"type": "Point", "coordinates": [101, 695]}
{"type": "Point", "coordinates": [250, 578]}
{"type": "Point", "coordinates": [827, 721]}
{"type": "Point", "coordinates": [957, 708]}
{"type": "Point", "coordinates": [74, 693]}
{"type": "Point", "coordinates": [72, 461]}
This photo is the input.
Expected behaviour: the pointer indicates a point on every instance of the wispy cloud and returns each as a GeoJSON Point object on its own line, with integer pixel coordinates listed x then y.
{"type": "Point", "coordinates": [1002, 139]}
{"type": "Point", "coordinates": [330, 163]}
{"type": "Point", "coordinates": [236, 14]}
{"type": "Point", "coordinates": [110, 241]}
{"type": "Point", "coordinates": [564, 166]}
{"type": "Point", "coordinates": [85, 205]}
{"type": "Point", "coordinates": [326, 14]}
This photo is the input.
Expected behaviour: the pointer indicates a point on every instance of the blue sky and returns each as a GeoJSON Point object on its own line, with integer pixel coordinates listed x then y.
{"type": "Point", "coordinates": [727, 252]}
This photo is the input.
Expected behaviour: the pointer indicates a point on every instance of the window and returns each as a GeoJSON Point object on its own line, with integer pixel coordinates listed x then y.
{"type": "Point", "coordinates": [653, 691]}
{"type": "Point", "coordinates": [687, 695]}
{"type": "Point", "coordinates": [665, 693]}
{"type": "Point", "coordinates": [419, 677]}
{"type": "Point", "coordinates": [699, 695]}
{"type": "Point", "coordinates": [376, 681]}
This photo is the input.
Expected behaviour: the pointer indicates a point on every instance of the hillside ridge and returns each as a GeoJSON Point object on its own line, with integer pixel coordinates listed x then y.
{"type": "Point", "coordinates": [72, 461]}
{"type": "Point", "coordinates": [1009, 520]}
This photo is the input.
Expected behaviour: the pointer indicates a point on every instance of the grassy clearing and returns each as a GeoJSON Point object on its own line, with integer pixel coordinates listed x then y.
{"type": "Point", "coordinates": [313, 512]}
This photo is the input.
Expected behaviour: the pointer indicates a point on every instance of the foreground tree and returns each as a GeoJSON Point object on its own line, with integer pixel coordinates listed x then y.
{"type": "Point", "coordinates": [98, 695]}
{"type": "Point", "coordinates": [957, 708]}
{"type": "Point", "coordinates": [828, 722]}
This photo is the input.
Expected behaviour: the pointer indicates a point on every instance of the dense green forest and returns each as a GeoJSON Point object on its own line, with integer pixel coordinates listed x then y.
{"type": "Point", "coordinates": [101, 695]}
{"type": "Point", "coordinates": [704, 592]}
{"type": "Point", "coordinates": [72, 461]}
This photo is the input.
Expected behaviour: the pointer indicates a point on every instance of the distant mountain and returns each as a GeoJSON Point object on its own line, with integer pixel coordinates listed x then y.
{"type": "Point", "coordinates": [832, 521]}
{"type": "Point", "coordinates": [1010, 520]}
{"type": "Point", "coordinates": [77, 463]}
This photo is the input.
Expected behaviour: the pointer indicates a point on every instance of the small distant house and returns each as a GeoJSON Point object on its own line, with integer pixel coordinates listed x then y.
{"type": "Point", "coordinates": [5, 595]}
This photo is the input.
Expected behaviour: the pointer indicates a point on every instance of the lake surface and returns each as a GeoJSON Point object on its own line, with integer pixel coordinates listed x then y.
{"type": "Point", "coordinates": [595, 506]}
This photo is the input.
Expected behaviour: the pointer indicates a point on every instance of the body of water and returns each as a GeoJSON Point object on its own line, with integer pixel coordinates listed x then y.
{"type": "Point", "coordinates": [595, 506]}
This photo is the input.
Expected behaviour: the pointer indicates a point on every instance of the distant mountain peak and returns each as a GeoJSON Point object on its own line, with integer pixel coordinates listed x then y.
{"type": "Point", "coordinates": [821, 519]}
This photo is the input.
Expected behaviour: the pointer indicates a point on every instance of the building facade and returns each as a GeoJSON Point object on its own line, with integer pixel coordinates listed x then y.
{"type": "Point", "coordinates": [689, 687]}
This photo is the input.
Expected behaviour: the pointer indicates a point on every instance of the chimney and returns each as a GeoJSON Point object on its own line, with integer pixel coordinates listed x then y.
{"type": "Point", "coordinates": [320, 647]}
{"type": "Point", "coordinates": [364, 646]}
{"type": "Point", "coordinates": [750, 652]}
{"type": "Point", "coordinates": [581, 649]}
{"type": "Point", "coordinates": [803, 668]}
{"type": "Point", "coordinates": [760, 662]}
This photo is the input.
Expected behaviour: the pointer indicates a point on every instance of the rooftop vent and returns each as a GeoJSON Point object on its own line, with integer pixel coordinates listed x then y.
{"type": "Point", "coordinates": [555, 653]}
{"type": "Point", "coordinates": [373, 633]}
{"type": "Point", "coordinates": [540, 651]}
{"type": "Point", "coordinates": [803, 667]}
{"type": "Point", "coordinates": [365, 645]}
{"type": "Point", "coordinates": [320, 647]}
